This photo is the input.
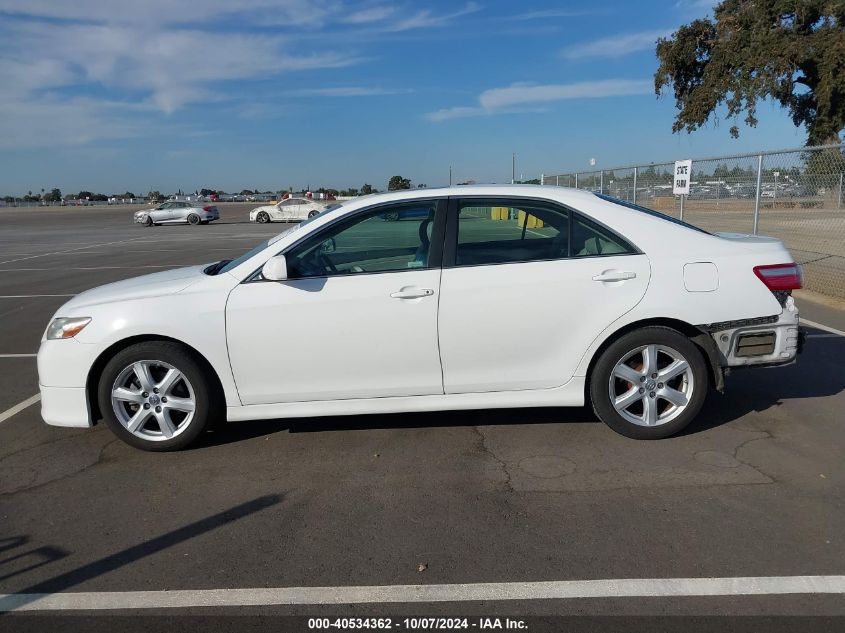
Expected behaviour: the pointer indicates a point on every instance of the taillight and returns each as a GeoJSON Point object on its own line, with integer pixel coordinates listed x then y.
{"type": "Point", "coordinates": [780, 276]}
{"type": "Point", "coordinates": [206, 208]}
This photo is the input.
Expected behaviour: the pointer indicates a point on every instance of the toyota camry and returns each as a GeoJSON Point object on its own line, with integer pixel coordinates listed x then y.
{"type": "Point", "coordinates": [481, 297]}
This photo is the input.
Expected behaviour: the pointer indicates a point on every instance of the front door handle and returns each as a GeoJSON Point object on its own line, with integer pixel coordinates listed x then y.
{"type": "Point", "coordinates": [412, 292]}
{"type": "Point", "coordinates": [614, 275]}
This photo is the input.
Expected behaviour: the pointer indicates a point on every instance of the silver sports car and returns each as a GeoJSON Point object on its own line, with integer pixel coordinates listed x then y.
{"type": "Point", "coordinates": [177, 213]}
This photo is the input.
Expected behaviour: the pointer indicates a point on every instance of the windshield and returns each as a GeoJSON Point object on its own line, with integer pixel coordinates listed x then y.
{"type": "Point", "coordinates": [651, 212]}
{"type": "Point", "coordinates": [260, 247]}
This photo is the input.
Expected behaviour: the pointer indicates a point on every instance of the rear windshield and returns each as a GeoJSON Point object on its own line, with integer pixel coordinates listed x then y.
{"type": "Point", "coordinates": [651, 212]}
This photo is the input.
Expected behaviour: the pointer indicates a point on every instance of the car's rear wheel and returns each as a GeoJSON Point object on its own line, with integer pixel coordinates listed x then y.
{"type": "Point", "coordinates": [650, 383]}
{"type": "Point", "coordinates": [156, 396]}
{"type": "Point", "coordinates": [262, 218]}
{"type": "Point", "coordinates": [194, 219]}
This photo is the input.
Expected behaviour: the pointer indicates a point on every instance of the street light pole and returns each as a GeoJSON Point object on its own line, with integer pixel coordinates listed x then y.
{"type": "Point", "coordinates": [513, 168]}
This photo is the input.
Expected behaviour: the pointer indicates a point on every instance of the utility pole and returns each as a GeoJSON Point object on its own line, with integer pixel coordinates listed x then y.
{"type": "Point", "coordinates": [513, 168]}
{"type": "Point", "coordinates": [450, 175]}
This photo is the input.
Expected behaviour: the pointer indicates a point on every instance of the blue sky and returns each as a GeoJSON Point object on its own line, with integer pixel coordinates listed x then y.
{"type": "Point", "coordinates": [110, 95]}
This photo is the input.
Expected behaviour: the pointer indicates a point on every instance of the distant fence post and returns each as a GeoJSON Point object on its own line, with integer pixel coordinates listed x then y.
{"type": "Point", "coordinates": [576, 179]}
{"type": "Point", "coordinates": [839, 202]}
{"type": "Point", "coordinates": [542, 179]}
{"type": "Point", "coordinates": [601, 181]}
{"type": "Point", "coordinates": [557, 180]}
{"type": "Point", "coordinates": [757, 193]}
{"type": "Point", "coordinates": [635, 185]}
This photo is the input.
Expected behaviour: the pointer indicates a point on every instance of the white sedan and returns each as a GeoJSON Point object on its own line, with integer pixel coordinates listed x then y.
{"type": "Point", "coordinates": [287, 210]}
{"type": "Point", "coordinates": [484, 296]}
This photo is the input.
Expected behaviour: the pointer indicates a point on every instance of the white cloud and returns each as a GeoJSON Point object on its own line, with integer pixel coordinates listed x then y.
{"type": "Point", "coordinates": [373, 14]}
{"type": "Point", "coordinates": [427, 19]}
{"type": "Point", "coordinates": [615, 45]}
{"type": "Point", "coordinates": [346, 91]}
{"type": "Point", "coordinates": [546, 14]}
{"type": "Point", "coordinates": [522, 97]}
{"type": "Point", "coordinates": [459, 112]}
{"type": "Point", "coordinates": [167, 12]}
{"type": "Point", "coordinates": [163, 55]}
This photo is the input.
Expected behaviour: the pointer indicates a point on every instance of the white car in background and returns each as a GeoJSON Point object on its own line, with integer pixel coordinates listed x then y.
{"type": "Point", "coordinates": [177, 212]}
{"type": "Point", "coordinates": [482, 297]}
{"type": "Point", "coordinates": [287, 210]}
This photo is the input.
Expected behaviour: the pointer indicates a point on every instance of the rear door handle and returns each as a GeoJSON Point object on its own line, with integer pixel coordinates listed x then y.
{"type": "Point", "coordinates": [412, 292]}
{"type": "Point", "coordinates": [614, 275]}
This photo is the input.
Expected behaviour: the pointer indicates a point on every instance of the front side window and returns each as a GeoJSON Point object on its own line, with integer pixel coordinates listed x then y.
{"type": "Point", "coordinates": [372, 242]}
{"type": "Point", "coordinates": [502, 231]}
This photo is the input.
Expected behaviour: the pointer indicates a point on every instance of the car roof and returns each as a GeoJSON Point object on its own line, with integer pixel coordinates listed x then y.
{"type": "Point", "coordinates": [538, 191]}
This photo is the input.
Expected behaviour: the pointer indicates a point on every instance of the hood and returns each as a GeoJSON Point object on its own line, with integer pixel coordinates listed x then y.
{"type": "Point", "coordinates": [167, 282]}
{"type": "Point", "coordinates": [266, 207]}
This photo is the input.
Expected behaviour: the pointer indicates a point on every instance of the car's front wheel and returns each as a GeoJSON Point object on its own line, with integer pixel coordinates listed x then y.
{"type": "Point", "coordinates": [148, 222]}
{"type": "Point", "coordinates": [156, 396]}
{"type": "Point", "coordinates": [262, 218]}
{"type": "Point", "coordinates": [650, 383]}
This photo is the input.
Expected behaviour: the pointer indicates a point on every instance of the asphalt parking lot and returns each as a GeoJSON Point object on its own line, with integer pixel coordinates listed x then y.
{"type": "Point", "coordinates": [753, 489]}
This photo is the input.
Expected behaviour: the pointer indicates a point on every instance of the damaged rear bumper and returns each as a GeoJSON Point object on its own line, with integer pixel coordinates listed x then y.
{"type": "Point", "coordinates": [763, 342]}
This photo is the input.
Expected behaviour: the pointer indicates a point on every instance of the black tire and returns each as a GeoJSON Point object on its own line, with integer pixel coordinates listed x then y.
{"type": "Point", "coordinates": [392, 216]}
{"type": "Point", "coordinates": [262, 218]}
{"type": "Point", "coordinates": [193, 219]}
{"type": "Point", "coordinates": [697, 377]}
{"type": "Point", "coordinates": [204, 222]}
{"type": "Point", "coordinates": [209, 403]}
{"type": "Point", "coordinates": [311, 214]}
{"type": "Point", "coordinates": [148, 222]}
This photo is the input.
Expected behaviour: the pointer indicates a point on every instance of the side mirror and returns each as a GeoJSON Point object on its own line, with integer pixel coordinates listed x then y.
{"type": "Point", "coordinates": [276, 269]}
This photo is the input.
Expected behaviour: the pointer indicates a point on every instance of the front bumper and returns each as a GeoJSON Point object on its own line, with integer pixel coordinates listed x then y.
{"type": "Point", "coordinates": [65, 406]}
{"type": "Point", "coordinates": [761, 344]}
{"type": "Point", "coordinates": [63, 367]}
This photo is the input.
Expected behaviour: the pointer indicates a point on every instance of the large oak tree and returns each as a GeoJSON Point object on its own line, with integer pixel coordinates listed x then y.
{"type": "Point", "coordinates": [791, 51]}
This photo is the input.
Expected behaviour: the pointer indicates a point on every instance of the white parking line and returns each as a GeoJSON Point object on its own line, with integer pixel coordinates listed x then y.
{"type": "Point", "coordinates": [820, 326]}
{"type": "Point", "coordinates": [8, 413]}
{"type": "Point", "coordinates": [18, 355]}
{"type": "Point", "coordinates": [31, 296]}
{"type": "Point", "coordinates": [17, 270]}
{"type": "Point", "coordinates": [69, 250]}
{"type": "Point", "coordinates": [497, 591]}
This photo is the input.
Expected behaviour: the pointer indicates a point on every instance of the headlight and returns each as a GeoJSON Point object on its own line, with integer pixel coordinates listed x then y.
{"type": "Point", "coordinates": [66, 327]}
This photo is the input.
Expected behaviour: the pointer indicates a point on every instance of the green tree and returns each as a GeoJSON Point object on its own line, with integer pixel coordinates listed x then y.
{"type": "Point", "coordinates": [55, 195]}
{"type": "Point", "coordinates": [790, 51]}
{"type": "Point", "coordinates": [153, 196]}
{"type": "Point", "coordinates": [367, 189]}
{"type": "Point", "coordinates": [397, 182]}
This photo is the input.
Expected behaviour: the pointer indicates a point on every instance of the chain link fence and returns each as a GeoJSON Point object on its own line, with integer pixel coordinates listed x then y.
{"type": "Point", "coordinates": [794, 195]}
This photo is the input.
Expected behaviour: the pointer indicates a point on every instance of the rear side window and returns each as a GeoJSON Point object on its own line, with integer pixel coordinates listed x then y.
{"type": "Point", "coordinates": [503, 231]}
{"type": "Point", "coordinates": [591, 240]}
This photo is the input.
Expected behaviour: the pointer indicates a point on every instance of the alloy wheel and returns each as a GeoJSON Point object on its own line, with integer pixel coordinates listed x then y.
{"type": "Point", "coordinates": [651, 385]}
{"type": "Point", "coordinates": [153, 400]}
